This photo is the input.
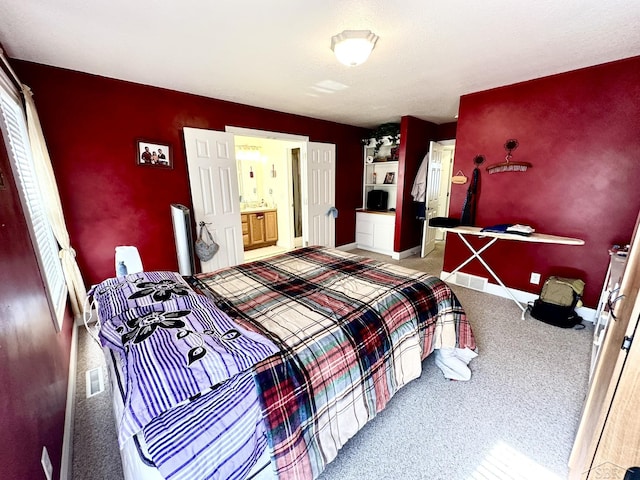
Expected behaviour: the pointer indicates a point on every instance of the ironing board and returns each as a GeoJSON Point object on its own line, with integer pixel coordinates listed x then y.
{"type": "Point", "coordinates": [463, 231]}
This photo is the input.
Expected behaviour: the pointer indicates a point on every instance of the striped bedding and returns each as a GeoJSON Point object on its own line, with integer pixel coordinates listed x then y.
{"type": "Point", "coordinates": [186, 373]}
{"type": "Point", "coordinates": [351, 331]}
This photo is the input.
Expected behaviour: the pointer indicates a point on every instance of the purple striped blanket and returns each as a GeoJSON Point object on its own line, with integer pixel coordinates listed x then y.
{"type": "Point", "coordinates": [351, 331]}
{"type": "Point", "coordinates": [186, 371]}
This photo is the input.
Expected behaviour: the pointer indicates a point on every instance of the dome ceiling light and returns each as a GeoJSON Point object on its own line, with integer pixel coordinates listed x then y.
{"type": "Point", "coordinates": [353, 47]}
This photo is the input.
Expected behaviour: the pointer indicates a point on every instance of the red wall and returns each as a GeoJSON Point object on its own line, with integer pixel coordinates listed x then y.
{"type": "Point", "coordinates": [91, 123]}
{"type": "Point", "coordinates": [447, 131]}
{"type": "Point", "coordinates": [416, 136]}
{"type": "Point", "coordinates": [581, 132]}
{"type": "Point", "coordinates": [34, 359]}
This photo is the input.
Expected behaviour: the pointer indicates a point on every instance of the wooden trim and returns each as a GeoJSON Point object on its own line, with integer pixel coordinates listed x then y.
{"type": "Point", "coordinates": [590, 436]}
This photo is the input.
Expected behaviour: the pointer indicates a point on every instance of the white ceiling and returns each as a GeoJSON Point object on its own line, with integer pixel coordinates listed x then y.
{"type": "Point", "coordinates": [276, 54]}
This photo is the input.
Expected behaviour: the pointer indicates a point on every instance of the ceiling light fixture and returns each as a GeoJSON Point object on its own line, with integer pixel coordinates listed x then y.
{"type": "Point", "coordinates": [353, 47]}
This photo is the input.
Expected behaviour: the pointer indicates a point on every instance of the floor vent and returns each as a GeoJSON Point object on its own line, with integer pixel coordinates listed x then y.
{"type": "Point", "coordinates": [95, 381]}
{"type": "Point", "coordinates": [470, 281]}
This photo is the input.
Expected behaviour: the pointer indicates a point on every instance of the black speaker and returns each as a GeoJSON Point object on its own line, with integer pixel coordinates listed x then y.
{"type": "Point", "coordinates": [377, 200]}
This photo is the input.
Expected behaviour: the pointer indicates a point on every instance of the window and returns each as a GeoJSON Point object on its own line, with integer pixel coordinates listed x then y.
{"type": "Point", "coordinates": [14, 131]}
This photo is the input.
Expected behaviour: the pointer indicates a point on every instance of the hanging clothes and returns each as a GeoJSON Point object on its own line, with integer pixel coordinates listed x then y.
{"type": "Point", "coordinates": [469, 207]}
{"type": "Point", "coordinates": [419, 189]}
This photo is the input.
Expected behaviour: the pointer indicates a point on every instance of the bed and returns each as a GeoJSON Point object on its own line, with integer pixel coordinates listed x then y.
{"type": "Point", "coordinates": [265, 370]}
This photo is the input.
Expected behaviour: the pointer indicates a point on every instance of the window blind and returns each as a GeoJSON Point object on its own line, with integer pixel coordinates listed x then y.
{"type": "Point", "coordinates": [14, 130]}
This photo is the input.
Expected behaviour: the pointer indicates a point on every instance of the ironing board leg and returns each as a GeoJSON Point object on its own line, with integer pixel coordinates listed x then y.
{"type": "Point", "coordinates": [476, 254]}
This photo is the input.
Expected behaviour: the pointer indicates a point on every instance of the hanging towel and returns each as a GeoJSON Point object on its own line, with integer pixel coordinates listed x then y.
{"type": "Point", "coordinates": [419, 189]}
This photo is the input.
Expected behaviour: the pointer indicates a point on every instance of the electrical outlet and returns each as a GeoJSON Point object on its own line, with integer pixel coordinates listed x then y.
{"type": "Point", "coordinates": [46, 464]}
{"type": "Point", "coordinates": [535, 278]}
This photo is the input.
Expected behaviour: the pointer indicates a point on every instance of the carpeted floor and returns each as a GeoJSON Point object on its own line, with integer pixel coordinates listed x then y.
{"type": "Point", "coordinates": [515, 419]}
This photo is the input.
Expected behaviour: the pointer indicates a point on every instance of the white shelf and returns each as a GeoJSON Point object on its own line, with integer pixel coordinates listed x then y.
{"type": "Point", "coordinates": [375, 230]}
{"type": "Point", "coordinates": [379, 170]}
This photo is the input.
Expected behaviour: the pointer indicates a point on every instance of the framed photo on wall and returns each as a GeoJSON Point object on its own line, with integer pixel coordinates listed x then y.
{"type": "Point", "coordinates": [154, 154]}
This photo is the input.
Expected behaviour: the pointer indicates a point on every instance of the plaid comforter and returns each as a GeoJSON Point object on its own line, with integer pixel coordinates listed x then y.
{"type": "Point", "coordinates": [351, 332]}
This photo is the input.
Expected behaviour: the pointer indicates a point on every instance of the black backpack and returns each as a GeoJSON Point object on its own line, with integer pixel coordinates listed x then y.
{"type": "Point", "coordinates": [558, 300]}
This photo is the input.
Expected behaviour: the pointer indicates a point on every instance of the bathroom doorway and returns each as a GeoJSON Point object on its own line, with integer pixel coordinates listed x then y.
{"type": "Point", "coordinates": [271, 181]}
{"type": "Point", "coordinates": [216, 178]}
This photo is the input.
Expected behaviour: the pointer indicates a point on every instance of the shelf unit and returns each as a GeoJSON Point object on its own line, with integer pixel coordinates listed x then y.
{"type": "Point", "coordinates": [381, 171]}
{"type": "Point", "coordinates": [375, 230]}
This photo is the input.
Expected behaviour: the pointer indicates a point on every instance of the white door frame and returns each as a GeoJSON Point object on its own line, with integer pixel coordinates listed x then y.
{"type": "Point", "coordinates": [250, 132]}
{"type": "Point", "coordinates": [304, 145]}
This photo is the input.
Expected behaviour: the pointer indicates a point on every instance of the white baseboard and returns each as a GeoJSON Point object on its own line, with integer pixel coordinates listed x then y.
{"type": "Point", "coordinates": [588, 314]}
{"type": "Point", "coordinates": [406, 253]}
{"type": "Point", "coordinates": [394, 255]}
{"type": "Point", "coordinates": [69, 415]}
{"type": "Point", "coordinates": [348, 246]}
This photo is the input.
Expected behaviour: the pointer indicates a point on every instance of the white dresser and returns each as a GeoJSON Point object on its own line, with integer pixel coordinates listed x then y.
{"type": "Point", "coordinates": [375, 231]}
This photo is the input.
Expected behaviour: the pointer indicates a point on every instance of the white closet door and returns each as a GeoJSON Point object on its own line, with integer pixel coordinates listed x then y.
{"type": "Point", "coordinates": [319, 195]}
{"type": "Point", "coordinates": [214, 192]}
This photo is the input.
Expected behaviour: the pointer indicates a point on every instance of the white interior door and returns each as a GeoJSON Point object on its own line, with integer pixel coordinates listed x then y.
{"type": "Point", "coordinates": [432, 196]}
{"type": "Point", "coordinates": [213, 179]}
{"type": "Point", "coordinates": [318, 194]}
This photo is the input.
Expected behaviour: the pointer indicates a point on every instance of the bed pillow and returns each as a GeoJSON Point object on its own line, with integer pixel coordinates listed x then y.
{"type": "Point", "coordinates": [172, 355]}
{"type": "Point", "coordinates": [117, 295]}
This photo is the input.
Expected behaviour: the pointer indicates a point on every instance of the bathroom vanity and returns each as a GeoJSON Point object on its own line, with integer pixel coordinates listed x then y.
{"type": "Point", "coordinates": [259, 227]}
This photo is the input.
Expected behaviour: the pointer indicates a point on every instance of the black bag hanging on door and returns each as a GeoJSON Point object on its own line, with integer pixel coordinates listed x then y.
{"type": "Point", "coordinates": [205, 251]}
{"type": "Point", "coordinates": [558, 300]}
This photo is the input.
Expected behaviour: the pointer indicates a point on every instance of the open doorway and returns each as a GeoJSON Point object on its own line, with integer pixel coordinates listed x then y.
{"type": "Point", "coordinates": [269, 190]}
{"type": "Point", "coordinates": [438, 194]}
{"type": "Point", "coordinates": [293, 177]}
{"type": "Point", "coordinates": [215, 178]}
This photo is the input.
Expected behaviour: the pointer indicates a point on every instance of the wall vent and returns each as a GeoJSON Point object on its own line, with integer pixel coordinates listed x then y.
{"type": "Point", "coordinates": [470, 281]}
{"type": "Point", "coordinates": [95, 382]}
